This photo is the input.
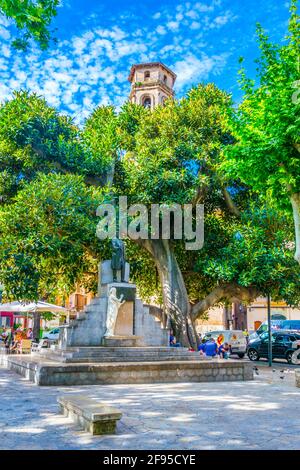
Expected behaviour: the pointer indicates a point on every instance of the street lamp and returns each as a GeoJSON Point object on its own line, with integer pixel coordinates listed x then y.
{"type": "Point", "coordinates": [269, 331]}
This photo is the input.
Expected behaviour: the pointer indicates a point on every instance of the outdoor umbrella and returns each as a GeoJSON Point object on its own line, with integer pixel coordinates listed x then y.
{"type": "Point", "coordinates": [33, 307]}
{"type": "Point", "coordinates": [19, 307]}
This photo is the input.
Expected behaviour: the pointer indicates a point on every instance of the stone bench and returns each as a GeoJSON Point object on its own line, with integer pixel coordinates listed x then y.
{"type": "Point", "coordinates": [96, 418]}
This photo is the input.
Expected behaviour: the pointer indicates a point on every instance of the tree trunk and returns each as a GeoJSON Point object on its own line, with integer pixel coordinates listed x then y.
{"type": "Point", "coordinates": [36, 326]}
{"type": "Point", "coordinates": [295, 201]}
{"type": "Point", "coordinates": [175, 298]}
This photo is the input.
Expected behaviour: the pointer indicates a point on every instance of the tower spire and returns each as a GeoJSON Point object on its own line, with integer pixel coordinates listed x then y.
{"type": "Point", "coordinates": [151, 84]}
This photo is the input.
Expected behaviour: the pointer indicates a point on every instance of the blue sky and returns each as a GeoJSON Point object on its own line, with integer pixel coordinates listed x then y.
{"type": "Point", "coordinates": [98, 41]}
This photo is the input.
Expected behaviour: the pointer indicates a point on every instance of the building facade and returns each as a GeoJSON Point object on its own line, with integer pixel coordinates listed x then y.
{"type": "Point", "coordinates": [240, 317]}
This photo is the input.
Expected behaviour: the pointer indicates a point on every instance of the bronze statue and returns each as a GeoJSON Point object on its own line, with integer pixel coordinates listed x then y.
{"type": "Point", "coordinates": [118, 259]}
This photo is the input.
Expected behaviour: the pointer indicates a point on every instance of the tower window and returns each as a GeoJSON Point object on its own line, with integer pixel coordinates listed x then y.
{"type": "Point", "coordinates": [147, 102]}
{"type": "Point", "coordinates": [165, 78]}
{"type": "Point", "coordinates": [147, 75]}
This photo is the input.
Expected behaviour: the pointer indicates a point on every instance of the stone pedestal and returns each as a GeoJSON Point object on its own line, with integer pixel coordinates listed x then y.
{"type": "Point", "coordinates": [121, 341]}
{"type": "Point", "coordinates": [125, 319]}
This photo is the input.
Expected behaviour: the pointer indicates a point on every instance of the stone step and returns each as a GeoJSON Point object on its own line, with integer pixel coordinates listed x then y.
{"type": "Point", "coordinates": [83, 360]}
{"type": "Point", "coordinates": [124, 349]}
{"type": "Point", "coordinates": [142, 351]}
{"type": "Point", "coordinates": [143, 357]}
{"type": "Point", "coordinates": [121, 353]}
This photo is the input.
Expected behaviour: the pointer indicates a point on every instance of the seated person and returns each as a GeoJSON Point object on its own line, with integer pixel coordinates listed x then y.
{"type": "Point", "coordinates": [220, 340]}
{"type": "Point", "coordinates": [173, 341]}
{"type": "Point", "coordinates": [29, 334]}
{"type": "Point", "coordinates": [4, 334]}
{"type": "Point", "coordinates": [201, 346]}
{"type": "Point", "coordinates": [224, 350]}
{"type": "Point", "coordinates": [210, 348]}
{"type": "Point", "coordinates": [8, 340]}
{"type": "Point", "coordinates": [17, 338]}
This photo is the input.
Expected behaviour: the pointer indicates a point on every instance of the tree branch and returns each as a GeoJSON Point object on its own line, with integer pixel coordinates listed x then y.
{"type": "Point", "coordinates": [230, 204]}
{"type": "Point", "coordinates": [297, 146]}
{"type": "Point", "coordinates": [230, 292]}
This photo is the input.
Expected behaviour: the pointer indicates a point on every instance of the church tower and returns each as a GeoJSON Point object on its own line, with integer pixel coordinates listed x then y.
{"type": "Point", "coordinates": [151, 84]}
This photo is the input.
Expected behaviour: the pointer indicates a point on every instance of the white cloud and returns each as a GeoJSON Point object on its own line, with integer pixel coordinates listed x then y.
{"type": "Point", "coordinates": [4, 33]}
{"type": "Point", "coordinates": [195, 25]}
{"type": "Point", "coordinates": [173, 25]}
{"type": "Point", "coordinates": [5, 50]}
{"type": "Point", "coordinates": [193, 69]}
{"type": "Point", "coordinates": [221, 20]}
{"type": "Point", "coordinates": [204, 8]}
{"type": "Point", "coordinates": [161, 30]}
{"type": "Point", "coordinates": [91, 68]}
{"type": "Point", "coordinates": [156, 15]}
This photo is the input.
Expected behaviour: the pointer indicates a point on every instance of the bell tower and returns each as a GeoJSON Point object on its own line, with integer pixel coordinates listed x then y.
{"type": "Point", "coordinates": [151, 84]}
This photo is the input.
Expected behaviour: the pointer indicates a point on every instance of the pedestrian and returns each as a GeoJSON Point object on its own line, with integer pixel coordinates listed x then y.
{"type": "Point", "coordinates": [246, 334]}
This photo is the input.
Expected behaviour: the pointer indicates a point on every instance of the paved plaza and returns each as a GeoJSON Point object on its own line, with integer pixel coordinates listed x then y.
{"type": "Point", "coordinates": [261, 414]}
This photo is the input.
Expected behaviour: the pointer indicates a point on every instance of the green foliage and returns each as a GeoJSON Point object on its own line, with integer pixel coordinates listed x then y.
{"type": "Point", "coordinates": [174, 154]}
{"type": "Point", "coordinates": [32, 19]}
{"type": "Point", "coordinates": [100, 140]}
{"type": "Point", "coordinates": [53, 176]}
{"type": "Point", "coordinates": [266, 125]}
{"type": "Point", "coordinates": [144, 273]}
{"type": "Point", "coordinates": [48, 241]}
{"type": "Point", "coordinates": [256, 253]}
{"type": "Point", "coordinates": [35, 138]}
{"type": "Point", "coordinates": [177, 144]}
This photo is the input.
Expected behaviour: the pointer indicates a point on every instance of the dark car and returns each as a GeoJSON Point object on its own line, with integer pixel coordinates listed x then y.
{"type": "Point", "coordinates": [283, 345]}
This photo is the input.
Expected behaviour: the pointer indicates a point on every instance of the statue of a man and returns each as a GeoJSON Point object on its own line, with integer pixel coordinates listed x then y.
{"type": "Point", "coordinates": [112, 311]}
{"type": "Point", "coordinates": [118, 258]}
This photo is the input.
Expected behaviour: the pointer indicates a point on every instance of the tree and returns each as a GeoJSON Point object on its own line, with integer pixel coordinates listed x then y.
{"type": "Point", "coordinates": [170, 159]}
{"type": "Point", "coordinates": [32, 18]}
{"type": "Point", "coordinates": [173, 155]}
{"type": "Point", "coordinates": [48, 238]}
{"type": "Point", "coordinates": [35, 138]}
{"type": "Point", "coordinates": [50, 182]}
{"type": "Point", "coordinates": [266, 126]}
{"type": "Point", "coordinates": [170, 155]}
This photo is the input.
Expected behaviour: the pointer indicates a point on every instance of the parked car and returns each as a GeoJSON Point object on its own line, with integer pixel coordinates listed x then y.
{"type": "Point", "coordinates": [235, 338]}
{"type": "Point", "coordinates": [277, 325]}
{"type": "Point", "coordinates": [52, 334]}
{"type": "Point", "coordinates": [284, 344]}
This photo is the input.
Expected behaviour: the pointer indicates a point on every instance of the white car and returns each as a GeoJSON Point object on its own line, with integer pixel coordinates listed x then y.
{"type": "Point", "coordinates": [235, 338]}
{"type": "Point", "coordinates": [53, 335]}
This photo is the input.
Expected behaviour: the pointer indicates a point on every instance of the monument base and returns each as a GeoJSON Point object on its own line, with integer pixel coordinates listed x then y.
{"type": "Point", "coordinates": [120, 341]}
{"type": "Point", "coordinates": [50, 373]}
